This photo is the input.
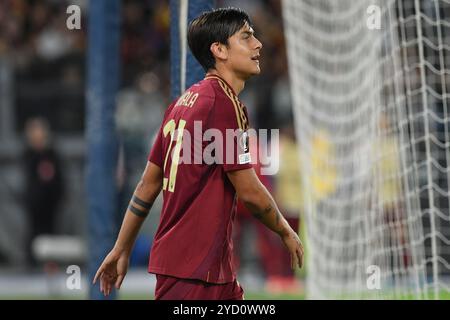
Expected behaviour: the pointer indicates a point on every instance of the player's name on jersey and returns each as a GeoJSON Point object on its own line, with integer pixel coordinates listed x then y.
{"type": "Point", "coordinates": [187, 99]}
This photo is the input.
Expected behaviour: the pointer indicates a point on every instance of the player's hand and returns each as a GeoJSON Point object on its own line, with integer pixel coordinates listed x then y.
{"type": "Point", "coordinates": [112, 271]}
{"type": "Point", "coordinates": [295, 248]}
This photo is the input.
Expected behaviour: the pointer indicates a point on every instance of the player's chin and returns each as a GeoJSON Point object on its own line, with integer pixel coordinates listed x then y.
{"type": "Point", "coordinates": [255, 71]}
{"type": "Point", "coordinates": [250, 72]}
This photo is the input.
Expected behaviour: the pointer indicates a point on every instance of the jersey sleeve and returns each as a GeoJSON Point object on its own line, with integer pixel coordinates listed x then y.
{"type": "Point", "coordinates": [228, 115]}
{"type": "Point", "coordinates": [156, 153]}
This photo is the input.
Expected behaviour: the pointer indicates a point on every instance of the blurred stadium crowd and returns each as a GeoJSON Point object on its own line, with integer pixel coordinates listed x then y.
{"type": "Point", "coordinates": [42, 68]}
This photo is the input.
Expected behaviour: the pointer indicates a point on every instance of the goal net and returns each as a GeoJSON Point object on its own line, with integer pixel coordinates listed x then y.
{"type": "Point", "coordinates": [370, 82]}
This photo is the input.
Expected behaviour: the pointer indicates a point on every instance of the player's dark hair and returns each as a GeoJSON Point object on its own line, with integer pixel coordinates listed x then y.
{"type": "Point", "coordinates": [214, 26]}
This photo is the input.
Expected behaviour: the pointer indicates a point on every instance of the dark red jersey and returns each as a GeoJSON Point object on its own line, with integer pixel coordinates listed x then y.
{"type": "Point", "coordinates": [195, 147]}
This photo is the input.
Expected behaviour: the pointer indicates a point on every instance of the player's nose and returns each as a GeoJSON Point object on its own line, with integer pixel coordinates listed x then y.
{"type": "Point", "coordinates": [259, 45]}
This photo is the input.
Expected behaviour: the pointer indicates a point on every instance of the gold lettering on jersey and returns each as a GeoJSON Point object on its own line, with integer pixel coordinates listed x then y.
{"type": "Point", "coordinates": [188, 99]}
{"type": "Point", "coordinates": [192, 100]}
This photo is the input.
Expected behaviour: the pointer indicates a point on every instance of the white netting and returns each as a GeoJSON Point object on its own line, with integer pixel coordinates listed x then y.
{"type": "Point", "coordinates": [371, 113]}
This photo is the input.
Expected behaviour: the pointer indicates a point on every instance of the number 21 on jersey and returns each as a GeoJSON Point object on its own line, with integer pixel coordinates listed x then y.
{"type": "Point", "coordinates": [170, 127]}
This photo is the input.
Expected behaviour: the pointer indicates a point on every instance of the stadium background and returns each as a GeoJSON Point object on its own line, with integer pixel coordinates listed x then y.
{"type": "Point", "coordinates": [371, 116]}
{"type": "Point", "coordinates": [43, 68]}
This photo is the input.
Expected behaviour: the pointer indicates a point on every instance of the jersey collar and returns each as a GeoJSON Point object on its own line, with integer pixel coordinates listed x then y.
{"type": "Point", "coordinates": [215, 76]}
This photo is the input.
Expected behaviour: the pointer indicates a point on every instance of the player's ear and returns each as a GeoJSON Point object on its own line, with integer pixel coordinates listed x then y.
{"type": "Point", "coordinates": [219, 50]}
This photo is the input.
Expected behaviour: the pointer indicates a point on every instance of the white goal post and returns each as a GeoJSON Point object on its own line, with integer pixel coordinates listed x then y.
{"type": "Point", "coordinates": [370, 81]}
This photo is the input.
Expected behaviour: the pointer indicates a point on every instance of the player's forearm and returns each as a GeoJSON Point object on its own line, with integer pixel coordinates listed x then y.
{"type": "Point", "coordinates": [138, 209]}
{"type": "Point", "coordinates": [128, 232]}
{"type": "Point", "coordinates": [263, 207]}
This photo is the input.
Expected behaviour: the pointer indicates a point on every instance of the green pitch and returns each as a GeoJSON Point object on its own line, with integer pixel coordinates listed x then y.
{"type": "Point", "coordinates": [262, 295]}
{"type": "Point", "coordinates": [248, 296]}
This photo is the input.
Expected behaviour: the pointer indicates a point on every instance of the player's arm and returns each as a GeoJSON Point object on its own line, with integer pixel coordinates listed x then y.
{"type": "Point", "coordinates": [113, 269]}
{"type": "Point", "coordinates": [147, 189]}
{"type": "Point", "coordinates": [258, 200]}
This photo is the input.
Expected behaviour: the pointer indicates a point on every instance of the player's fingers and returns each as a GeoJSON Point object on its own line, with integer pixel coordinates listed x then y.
{"type": "Point", "coordinates": [102, 284]}
{"type": "Point", "coordinates": [300, 258]}
{"type": "Point", "coordinates": [104, 280]}
{"type": "Point", "coordinates": [119, 281]}
{"type": "Point", "coordinates": [105, 288]}
{"type": "Point", "coordinates": [109, 281]}
{"type": "Point", "coordinates": [294, 260]}
{"type": "Point", "coordinates": [98, 274]}
{"type": "Point", "coordinates": [110, 286]}
{"type": "Point", "coordinates": [105, 285]}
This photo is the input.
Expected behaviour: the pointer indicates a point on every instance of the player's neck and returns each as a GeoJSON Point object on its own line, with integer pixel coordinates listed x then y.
{"type": "Point", "coordinates": [236, 83]}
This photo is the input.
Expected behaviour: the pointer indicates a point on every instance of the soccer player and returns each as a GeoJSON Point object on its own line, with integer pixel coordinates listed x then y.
{"type": "Point", "coordinates": [191, 253]}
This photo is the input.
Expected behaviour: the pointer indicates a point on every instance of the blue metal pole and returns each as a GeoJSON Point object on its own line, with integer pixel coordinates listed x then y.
{"type": "Point", "coordinates": [102, 147]}
{"type": "Point", "coordinates": [193, 71]}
